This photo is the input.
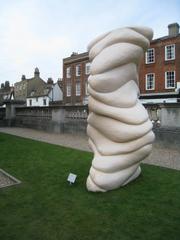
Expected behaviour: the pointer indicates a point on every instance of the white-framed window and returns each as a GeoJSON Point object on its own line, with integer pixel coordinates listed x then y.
{"type": "Point", "coordinates": [87, 68]}
{"type": "Point", "coordinates": [78, 70]}
{"type": "Point", "coordinates": [68, 89]}
{"type": "Point", "coordinates": [30, 102]}
{"type": "Point", "coordinates": [170, 79]}
{"type": "Point", "coordinates": [150, 81]}
{"type": "Point", "coordinates": [86, 88]}
{"type": "Point", "coordinates": [170, 52]}
{"type": "Point", "coordinates": [68, 72]}
{"type": "Point", "coordinates": [78, 88]}
{"type": "Point", "coordinates": [150, 55]}
{"type": "Point", "coordinates": [44, 102]}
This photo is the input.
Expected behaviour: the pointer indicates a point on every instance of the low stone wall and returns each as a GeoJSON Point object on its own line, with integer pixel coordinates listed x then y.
{"type": "Point", "coordinates": [2, 117]}
{"type": "Point", "coordinates": [35, 117]}
{"type": "Point", "coordinates": [65, 119]}
{"type": "Point", "coordinates": [2, 113]}
{"type": "Point", "coordinates": [166, 150]}
{"type": "Point", "coordinates": [168, 114]}
{"type": "Point", "coordinates": [73, 119]}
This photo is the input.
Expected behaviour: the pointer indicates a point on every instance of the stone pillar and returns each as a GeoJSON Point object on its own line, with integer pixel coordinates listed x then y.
{"type": "Point", "coordinates": [10, 110]}
{"type": "Point", "coordinates": [58, 118]}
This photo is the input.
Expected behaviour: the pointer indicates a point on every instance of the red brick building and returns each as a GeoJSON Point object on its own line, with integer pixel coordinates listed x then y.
{"type": "Point", "coordinates": [159, 75]}
{"type": "Point", "coordinates": [75, 74]}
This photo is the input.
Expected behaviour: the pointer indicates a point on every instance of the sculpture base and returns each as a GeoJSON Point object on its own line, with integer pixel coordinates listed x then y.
{"type": "Point", "coordinates": [92, 187]}
{"type": "Point", "coordinates": [134, 176]}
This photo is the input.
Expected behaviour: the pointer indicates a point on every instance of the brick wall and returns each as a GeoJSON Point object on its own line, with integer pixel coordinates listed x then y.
{"type": "Point", "coordinates": [72, 62]}
{"type": "Point", "coordinates": [160, 66]}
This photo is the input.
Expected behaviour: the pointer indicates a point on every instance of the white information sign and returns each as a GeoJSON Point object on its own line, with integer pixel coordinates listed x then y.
{"type": "Point", "coordinates": [72, 178]}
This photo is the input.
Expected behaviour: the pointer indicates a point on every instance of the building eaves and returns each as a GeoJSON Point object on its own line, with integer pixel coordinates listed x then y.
{"type": "Point", "coordinates": [76, 58]}
{"type": "Point", "coordinates": [164, 38]}
{"type": "Point", "coordinates": [160, 95]}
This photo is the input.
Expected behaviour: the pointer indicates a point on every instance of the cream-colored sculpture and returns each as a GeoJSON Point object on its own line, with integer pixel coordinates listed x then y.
{"type": "Point", "coordinates": [119, 130]}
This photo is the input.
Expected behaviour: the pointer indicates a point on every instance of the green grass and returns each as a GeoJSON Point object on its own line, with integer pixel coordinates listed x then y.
{"type": "Point", "coordinates": [46, 207]}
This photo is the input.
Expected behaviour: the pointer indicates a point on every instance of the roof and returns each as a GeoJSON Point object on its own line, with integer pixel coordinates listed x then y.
{"type": "Point", "coordinates": [40, 92]}
{"type": "Point", "coordinates": [76, 57]}
{"type": "Point", "coordinates": [164, 38]}
{"type": "Point", "coordinates": [5, 94]}
{"type": "Point", "coordinates": [85, 55]}
{"type": "Point", "coordinates": [35, 84]}
{"type": "Point", "coordinates": [60, 84]}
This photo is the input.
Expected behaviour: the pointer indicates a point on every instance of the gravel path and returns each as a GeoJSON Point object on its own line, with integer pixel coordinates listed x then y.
{"type": "Point", "coordinates": [160, 156]}
{"type": "Point", "coordinates": [73, 141]}
{"type": "Point", "coordinates": [7, 180]}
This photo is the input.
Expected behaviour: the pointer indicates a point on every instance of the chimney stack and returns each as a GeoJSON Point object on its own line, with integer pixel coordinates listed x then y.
{"type": "Point", "coordinates": [50, 81]}
{"type": "Point", "coordinates": [23, 77]}
{"type": "Point", "coordinates": [173, 29]}
{"type": "Point", "coordinates": [36, 72]}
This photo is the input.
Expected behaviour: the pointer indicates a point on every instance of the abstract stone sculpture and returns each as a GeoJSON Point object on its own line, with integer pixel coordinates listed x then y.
{"type": "Point", "coordinates": [119, 130]}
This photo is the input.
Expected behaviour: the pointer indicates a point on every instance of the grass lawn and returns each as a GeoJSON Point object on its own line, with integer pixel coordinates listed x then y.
{"type": "Point", "coordinates": [46, 207]}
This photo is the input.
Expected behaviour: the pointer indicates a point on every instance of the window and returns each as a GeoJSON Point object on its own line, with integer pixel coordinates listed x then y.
{"type": "Point", "coordinates": [78, 70]}
{"type": "Point", "coordinates": [68, 72]}
{"type": "Point", "coordinates": [150, 81]}
{"type": "Point", "coordinates": [30, 102]}
{"type": "Point", "coordinates": [86, 88]}
{"type": "Point", "coordinates": [44, 102]}
{"type": "Point", "coordinates": [88, 67]}
{"type": "Point", "coordinates": [78, 89]}
{"type": "Point", "coordinates": [36, 99]}
{"type": "Point", "coordinates": [170, 52]}
{"type": "Point", "coordinates": [68, 89]}
{"type": "Point", "coordinates": [150, 56]}
{"type": "Point", "coordinates": [170, 79]}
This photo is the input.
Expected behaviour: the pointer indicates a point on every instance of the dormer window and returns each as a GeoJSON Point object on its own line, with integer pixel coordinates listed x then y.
{"type": "Point", "coordinates": [32, 93]}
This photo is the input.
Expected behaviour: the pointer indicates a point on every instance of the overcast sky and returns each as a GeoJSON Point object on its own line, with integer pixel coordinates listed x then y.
{"type": "Point", "coordinates": [40, 33]}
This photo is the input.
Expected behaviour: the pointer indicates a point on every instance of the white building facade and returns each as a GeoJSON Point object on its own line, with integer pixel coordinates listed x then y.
{"type": "Point", "coordinates": [50, 95]}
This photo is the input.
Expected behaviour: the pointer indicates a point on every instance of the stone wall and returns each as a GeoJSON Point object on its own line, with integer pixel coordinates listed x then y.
{"type": "Point", "coordinates": [170, 115]}
{"type": "Point", "coordinates": [2, 117]}
{"type": "Point", "coordinates": [33, 117]}
{"type": "Point", "coordinates": [64, 119]}
{"type": "Point", "coordinates": [73, 119]}
{"type": "Point", "coordinates": [166, 115]}
{"type": "Point", "coordinates": [166, 150]}
{"type": "Point", "coordinates": [2, 113]}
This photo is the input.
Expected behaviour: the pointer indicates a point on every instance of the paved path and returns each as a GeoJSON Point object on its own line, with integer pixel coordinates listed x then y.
{"type": "Point", "coordinates": [67, 140]}
{"type": "Point", "coordinates": [160, 156]}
